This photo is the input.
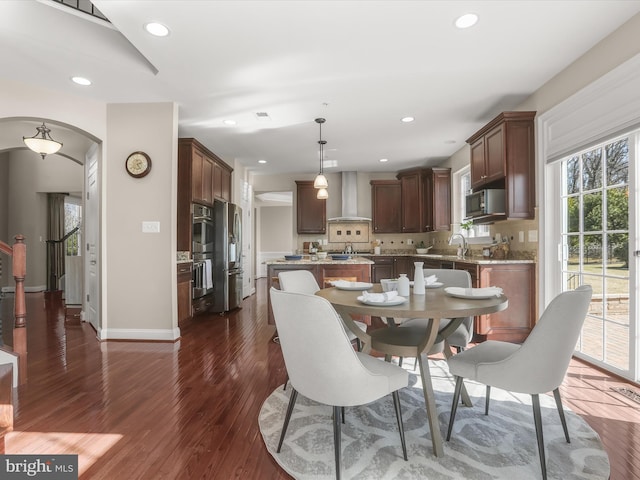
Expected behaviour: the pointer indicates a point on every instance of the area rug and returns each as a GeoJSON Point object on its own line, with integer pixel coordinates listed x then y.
{"type": "Point", "coordinates": [501, 445]}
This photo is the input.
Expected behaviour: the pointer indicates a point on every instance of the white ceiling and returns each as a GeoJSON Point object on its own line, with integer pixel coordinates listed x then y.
{"type": "Point", "coordinates": [362, 65]}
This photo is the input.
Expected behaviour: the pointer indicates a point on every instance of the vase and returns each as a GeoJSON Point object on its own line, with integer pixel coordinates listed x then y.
{"type": "Point", "coordinates": [418, 279]}
{"type": "Point", "coordinates": [403, 285]}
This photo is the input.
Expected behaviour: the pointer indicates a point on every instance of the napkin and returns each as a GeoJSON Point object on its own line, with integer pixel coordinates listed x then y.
{"type": "Point", "coordinates": [430, 280]}
{"type": "Point", "coordinates": [379, 297]}
{"type": "Point", "coordinates": [341, 283]}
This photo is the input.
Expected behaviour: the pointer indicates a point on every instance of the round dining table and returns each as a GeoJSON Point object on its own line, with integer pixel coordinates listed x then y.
{"type": "Point", "coordinates": [434, 305]}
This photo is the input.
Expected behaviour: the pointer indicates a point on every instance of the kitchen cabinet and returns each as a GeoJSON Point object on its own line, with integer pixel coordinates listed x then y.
{"type": "Point", "coordinates": [184, 292]}
{"type": "Point", "coordinates": [202, 177]}
{"type": "Point", "coordinates": [517, 281]}
{"type": "Point", "coordinates": [389, 266]}
{"type": "Point", "coordinates": [323, 272]}
{"type": "Point", "coordinates": [311, 212]}
{"type": "Point", "coordinates": [503, 156]}
{"type": "Point", "coordinates": [426, 199]}
{"type": "Point", "coordinates": [386, 206]}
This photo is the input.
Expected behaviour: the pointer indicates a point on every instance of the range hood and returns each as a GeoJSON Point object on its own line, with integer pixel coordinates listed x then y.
{"type": "Point", "coordinates": [349, 200]}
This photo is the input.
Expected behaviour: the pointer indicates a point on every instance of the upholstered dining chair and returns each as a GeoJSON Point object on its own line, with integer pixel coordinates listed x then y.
{"type": "Point", "coordinates": [324, 367]}
{"type": "Point", "coordinates": [303, 281]}
{"type": "Point", "coordinates": [537, 366]}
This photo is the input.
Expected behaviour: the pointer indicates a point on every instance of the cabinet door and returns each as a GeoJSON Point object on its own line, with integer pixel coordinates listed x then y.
{"type": "Point", "coordinates": [441, 199]}
{"type": "Point", "coordinates": [478, 174]}
{"type": "Point", "coordinates": [403, 265]}
{"type": "Point", "coordinates": [386, 200]}
{"type": "Point", "coordinates": [207, 180]}
{"type": "Point", "coordinates": [197, 170]}
{"type": "Point", "coordinates": [225, 183]}
{"type": "Point", "coordinates": [411, 203]}
{"type": "Point", "coordinates": [311, 213]}
{"type": "Point", "coordinates": [217, 181]}
{"type": "Point", "coordinates": [495, 150]}
{"type": "Point", "coordinates": [184, 292]}
{"type": "Point", "coordinates": [380, 271]}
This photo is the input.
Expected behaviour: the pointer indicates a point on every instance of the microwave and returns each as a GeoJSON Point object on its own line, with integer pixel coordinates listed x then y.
{"type": "Point", "coordinates": [485, 202]}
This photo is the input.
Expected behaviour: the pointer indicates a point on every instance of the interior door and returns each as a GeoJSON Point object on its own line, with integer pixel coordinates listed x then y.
{"type": "Point", "coordinates": [92, 229]}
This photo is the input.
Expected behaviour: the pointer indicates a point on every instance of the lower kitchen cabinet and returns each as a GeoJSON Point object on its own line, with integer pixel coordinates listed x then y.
{"type": "Point", "coordinates": [323, 272]}
{"type": "Point", "coordinates": [184, 292]}
{"type": "Point", "coordinates": [390, 266]}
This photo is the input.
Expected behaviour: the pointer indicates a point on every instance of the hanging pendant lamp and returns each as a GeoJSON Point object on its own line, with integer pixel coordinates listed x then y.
{"type": "Point", "coordinates": [321, 181]}
{"type": "Point", "coordinates": [42, 142]}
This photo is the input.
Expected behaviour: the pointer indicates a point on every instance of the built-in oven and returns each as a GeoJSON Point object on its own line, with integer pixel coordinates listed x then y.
{"type": "Point", "coordinates": [203, 229]}
{"type": "Point", "coordinates": [202, 274]}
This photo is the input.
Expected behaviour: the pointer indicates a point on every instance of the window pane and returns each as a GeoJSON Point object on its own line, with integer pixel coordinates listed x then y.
{"type": "Point", "coordinates": [573, 214]}
{"type": "Point", "coordinates": [573, 175]}
{"type": "Point", "coordinates": [592, 254]}
{"type": "Point", "coordinates": [618, 208]}
{"type": "Point", "coordinates": [573, 260]}
{"type": "Point", "coordinates": [618, 162]}
{"type": "Point", "coordinates": [592, 169]}
{"type": "Point", "coordinates": [592, 212]}
{"type": "Point", "coordinates": [618, 254]}
{"type": "Point", "coordinates": [617, 345]}
{"type": "Point", "coordinates": [592, 332]}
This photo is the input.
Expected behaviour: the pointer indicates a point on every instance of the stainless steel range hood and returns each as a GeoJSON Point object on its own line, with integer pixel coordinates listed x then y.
{"type": "Point", "coordinates": [349, 200]}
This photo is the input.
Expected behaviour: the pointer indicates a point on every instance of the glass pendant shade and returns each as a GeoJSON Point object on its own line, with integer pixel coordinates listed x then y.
{"type": "Point", "coordinates": [320, 181]}
{"type": "Point", "coordinates": [323, 194]}
{"type": "Point", "coordinates": [42, 142]}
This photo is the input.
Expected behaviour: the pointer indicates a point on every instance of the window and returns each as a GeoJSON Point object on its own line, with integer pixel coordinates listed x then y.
{"type": "Point", "coordinates": [72, 219]}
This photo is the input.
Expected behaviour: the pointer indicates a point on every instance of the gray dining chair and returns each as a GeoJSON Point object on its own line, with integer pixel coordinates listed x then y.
{"type": "Point", "coordinates": [537, 366]}
{"type": "Point", "coordinates": [324, 367]}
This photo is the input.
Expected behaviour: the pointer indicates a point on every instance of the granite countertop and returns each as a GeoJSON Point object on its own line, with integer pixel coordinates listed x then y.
{"type": "Point", "coordinates": [306, 260]}
{"type": "Point", "coordinates": [474, 259]}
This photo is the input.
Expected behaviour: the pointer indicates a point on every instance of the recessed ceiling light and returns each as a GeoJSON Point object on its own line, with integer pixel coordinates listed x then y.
{"type": "Point", "coordinates": [262, 161]}
{"type": "Point", "coordinates": [81, 81]}
{"type": "Point", "coordinates": [229, 122]}
{"type": "Point", "coordinates": [263, 117]}
{"type": "Point", "coordinates": [382, 160]}
{"type": "Point", "coordinates": [407, 119]}
{"type": "Point", "coordinates": [156, 29]}
{"type": "Point", "coordinates": [467, 20]}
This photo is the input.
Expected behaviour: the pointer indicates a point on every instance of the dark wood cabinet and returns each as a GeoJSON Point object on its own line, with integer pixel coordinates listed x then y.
{"type": "Point", "coordinates": [311, 213]}
{"type": "Point", "coordinates": [202, 177]}
{"type": "Point", "coordinates": [390, 266]}
{"type": "Point", "coordinates": [386, 206]}
{"type": "Point", "coordinates": [412, 201]}
{"type": "Point", "coordinates": [323, 272]}
{"type": "Point", "coordinates": [437, 200]}
{"type": "Point", "coordinates": [503, 156]}
{"type": "Point", "coordinates": [184, 292]}
{"type": "Point", "coordinates": [517, 281]}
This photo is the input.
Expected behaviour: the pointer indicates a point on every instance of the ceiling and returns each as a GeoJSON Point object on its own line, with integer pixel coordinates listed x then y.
{"type": "Point", "coordinates": [362, 65]}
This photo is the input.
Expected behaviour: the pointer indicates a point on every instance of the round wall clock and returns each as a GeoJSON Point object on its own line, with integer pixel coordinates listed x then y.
{"type": "Point", "coordinates": [138, 164]}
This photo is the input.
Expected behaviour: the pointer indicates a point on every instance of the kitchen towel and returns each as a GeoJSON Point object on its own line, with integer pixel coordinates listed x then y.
{"type": "Point", "coordinates": [208, 277]}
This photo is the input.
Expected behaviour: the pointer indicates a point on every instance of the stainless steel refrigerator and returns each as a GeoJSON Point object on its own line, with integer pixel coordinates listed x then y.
{"type": "Point", "coordinates": [227, 270]}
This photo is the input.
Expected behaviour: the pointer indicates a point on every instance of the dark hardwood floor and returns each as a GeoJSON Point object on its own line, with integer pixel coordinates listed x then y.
{"type": "Point", "coordinates": [139, 410]}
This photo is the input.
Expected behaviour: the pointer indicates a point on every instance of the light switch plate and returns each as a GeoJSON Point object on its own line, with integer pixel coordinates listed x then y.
{"type": "Point", "coordinates": [533, 235]}
{"type": "Point", "coordinates": [150, 227]}
{"type": "Point", "coordinates": [521, 236]}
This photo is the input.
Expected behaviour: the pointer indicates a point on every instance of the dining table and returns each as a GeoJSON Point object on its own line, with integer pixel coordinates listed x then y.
{"type": "Point", "coordinates": [435, 304]}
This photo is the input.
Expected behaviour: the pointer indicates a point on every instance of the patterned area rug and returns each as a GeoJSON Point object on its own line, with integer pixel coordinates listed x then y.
{"type": "Point", "coordinates": [501, 445]}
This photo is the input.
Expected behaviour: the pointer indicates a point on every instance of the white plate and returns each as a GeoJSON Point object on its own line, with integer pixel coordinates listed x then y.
{"type": "Point", "coordinates": [354, 286]}
{"type": "Point", "coordinates": [473, 293]}
{"type": "Point", "coordinates": [433, 285]}
{"type": "Point", "coordinates": [388, 303]}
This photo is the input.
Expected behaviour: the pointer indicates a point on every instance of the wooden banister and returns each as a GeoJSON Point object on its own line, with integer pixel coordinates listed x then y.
{"type": "Point", "coordinates": [19, 254]}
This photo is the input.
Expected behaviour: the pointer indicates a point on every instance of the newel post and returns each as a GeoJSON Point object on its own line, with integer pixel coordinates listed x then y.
{"type": "Point", "coordinates": [20, 308]}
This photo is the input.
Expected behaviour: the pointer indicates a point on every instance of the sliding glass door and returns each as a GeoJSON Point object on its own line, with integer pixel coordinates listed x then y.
{"type": "Point", "coordinates": [595, 224]}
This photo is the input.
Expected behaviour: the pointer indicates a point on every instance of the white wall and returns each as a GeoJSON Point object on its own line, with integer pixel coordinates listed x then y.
{"type": "Point", "coordinates": [141, 266]}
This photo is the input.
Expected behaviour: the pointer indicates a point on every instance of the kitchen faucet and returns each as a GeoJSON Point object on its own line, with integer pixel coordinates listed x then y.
{"type": "Point", "coordinates": [462, 243]}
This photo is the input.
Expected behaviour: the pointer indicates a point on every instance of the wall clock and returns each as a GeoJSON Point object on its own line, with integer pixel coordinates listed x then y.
{"type": "Point", "coordinates": [138, 164]}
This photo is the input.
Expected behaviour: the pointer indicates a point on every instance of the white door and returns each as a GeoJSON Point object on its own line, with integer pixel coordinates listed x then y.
{"type": "Point", "coordinates": [92, 236]}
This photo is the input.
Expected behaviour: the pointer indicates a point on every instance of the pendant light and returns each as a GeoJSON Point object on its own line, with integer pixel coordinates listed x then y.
{"type": "Point", "coordinates": [42, 142]}
{"type": "Point", "coordinates": [321, 181]}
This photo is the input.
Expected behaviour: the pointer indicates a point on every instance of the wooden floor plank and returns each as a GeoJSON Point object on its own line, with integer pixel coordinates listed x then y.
{"type": "Point", "coordinates": [153, 410]}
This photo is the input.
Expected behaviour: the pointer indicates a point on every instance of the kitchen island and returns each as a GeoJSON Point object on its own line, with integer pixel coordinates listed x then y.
{"type": "Point", "coordinates": [355, 269]}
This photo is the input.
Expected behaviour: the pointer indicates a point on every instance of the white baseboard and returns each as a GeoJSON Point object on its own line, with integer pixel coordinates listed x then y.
{"type": "Point", "coordinates": [150, 334]}
{"type": "Point", "coordinates": [36, 288]}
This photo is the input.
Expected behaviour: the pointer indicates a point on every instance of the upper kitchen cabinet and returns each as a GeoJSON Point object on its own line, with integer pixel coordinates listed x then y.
{"type": "Point", "coordinates": [426, 199]}
{"type": "Point", "coordinates": [311, 213]}
{"type": "Point", "coordinates": [503, 156]}
{"type": "Point", "coordinates": [386, 205]}
{"type": "Point", "coordinates": [202, 173]}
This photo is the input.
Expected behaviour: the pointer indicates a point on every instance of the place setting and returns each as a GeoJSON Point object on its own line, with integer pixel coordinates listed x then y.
{"type": "Point", "coordinates": [474, 293]}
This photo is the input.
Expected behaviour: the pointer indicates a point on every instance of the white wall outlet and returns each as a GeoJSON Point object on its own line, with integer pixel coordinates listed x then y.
{"type": "Point", "coordinates": [150, 227]}
{"type": "Point", "coordinates": [409, 241]}
{"type": "Point", "coordinates": [533, 235]}
{"type": "Point", "coordinates": [521, 237]}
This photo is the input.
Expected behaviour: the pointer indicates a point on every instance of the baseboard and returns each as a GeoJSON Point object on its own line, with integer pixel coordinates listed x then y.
{"type": "Point", "coordinates": [151, 334]}
{"type": "Point", "coordinates": [36, 288]}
